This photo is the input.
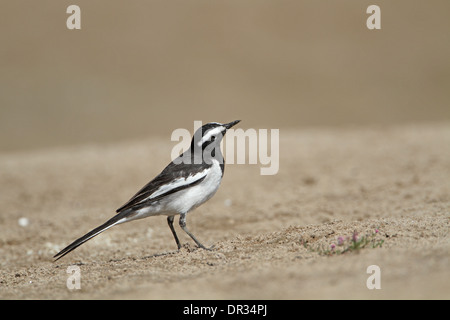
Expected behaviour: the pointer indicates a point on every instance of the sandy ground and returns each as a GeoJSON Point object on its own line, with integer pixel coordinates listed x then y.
{"type": "Point", "coordinates": [331, 182]}
{"type": "Point", "coordinates": [86, 117]}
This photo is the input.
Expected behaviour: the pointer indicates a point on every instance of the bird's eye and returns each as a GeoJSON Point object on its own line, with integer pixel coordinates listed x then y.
{"type": "Point", "coordinates": [213, 138]}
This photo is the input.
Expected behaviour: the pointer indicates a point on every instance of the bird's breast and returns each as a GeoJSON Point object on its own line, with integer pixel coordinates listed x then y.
{"type": "Point", "coordinates": [195, 196]}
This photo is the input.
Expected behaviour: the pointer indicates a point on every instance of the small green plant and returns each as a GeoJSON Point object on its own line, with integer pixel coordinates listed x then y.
{"type": "Point", "coordinates": [347, 244]}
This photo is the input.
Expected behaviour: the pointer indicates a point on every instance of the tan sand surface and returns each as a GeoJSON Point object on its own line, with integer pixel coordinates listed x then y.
{"type": "Point", "coordinates": [267, 230]}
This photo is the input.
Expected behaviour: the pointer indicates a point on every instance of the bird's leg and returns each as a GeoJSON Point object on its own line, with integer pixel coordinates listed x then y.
{"type": "Point", "coordinates": [183, 226]}
{"type": "Point", "coordinates": [170, 222]}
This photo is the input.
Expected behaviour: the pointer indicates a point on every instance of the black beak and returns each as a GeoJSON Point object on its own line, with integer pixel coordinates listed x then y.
{"type": "Point", "coordinates": [229, 125]}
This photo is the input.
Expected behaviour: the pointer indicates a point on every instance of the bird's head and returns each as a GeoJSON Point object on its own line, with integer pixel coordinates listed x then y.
{"type": "Point", "coordinates": [210, 135]}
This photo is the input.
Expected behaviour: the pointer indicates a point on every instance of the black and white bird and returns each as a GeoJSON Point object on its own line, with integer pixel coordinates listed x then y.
{"type": "Point", "coordinates": [186, 183]}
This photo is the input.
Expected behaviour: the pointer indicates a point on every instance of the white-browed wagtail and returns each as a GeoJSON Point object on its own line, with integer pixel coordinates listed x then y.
{"type": "Point", "coordinates": [186, 183]}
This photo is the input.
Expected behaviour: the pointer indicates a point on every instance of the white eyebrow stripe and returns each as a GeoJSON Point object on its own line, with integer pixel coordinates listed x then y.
{"type": "Point", "coordinates": [210, 133]}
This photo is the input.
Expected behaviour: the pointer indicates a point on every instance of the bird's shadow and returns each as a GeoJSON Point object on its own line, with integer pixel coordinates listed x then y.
{"type": "Point", "coordinates": [155, 255]}
{"type": "Point", "coordinates": [169, 253]}
{"type": "Point", "coordinates": [160, 254]}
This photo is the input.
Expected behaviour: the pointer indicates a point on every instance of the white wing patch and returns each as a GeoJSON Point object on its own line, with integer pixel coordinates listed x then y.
{"type": "Point", "coordinates": [177, 183]}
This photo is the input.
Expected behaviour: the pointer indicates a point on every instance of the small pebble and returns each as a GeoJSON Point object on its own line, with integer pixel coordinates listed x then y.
{"type": "Point", "coordinates": [24, 222]}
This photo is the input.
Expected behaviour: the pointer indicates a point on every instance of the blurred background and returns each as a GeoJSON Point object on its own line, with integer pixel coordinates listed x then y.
{"type": "Point", "coordinates": [140, 68]}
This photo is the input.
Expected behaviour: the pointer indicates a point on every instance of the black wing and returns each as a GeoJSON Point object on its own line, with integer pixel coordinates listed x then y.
{"type": "Point", "coordinates": [171, 172]}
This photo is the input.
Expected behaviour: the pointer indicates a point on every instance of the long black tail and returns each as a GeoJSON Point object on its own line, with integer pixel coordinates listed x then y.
{"type": "Point", "coordinates": [108, 224]}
